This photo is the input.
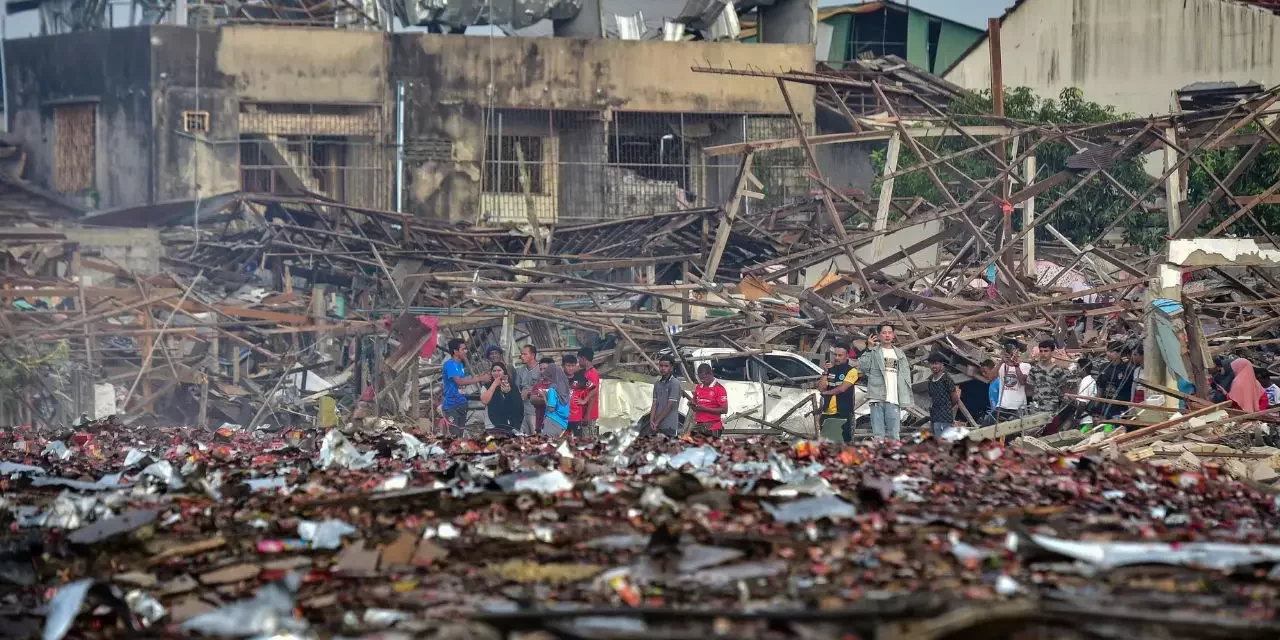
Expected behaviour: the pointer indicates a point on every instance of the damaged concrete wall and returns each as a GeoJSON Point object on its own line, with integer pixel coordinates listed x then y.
{"type": "Point", "coordinates": [280, 65]}
{"type": "Point", "coordinates": [137, 250]}
{"type": "Point", "coordinates": [105, 71]}
{"type": "Point", "coordinates": [447, 80]}
{"type": "Point", "coordinates": [561, 73]}
{"type": "Point", "coordinates": [190, 164]}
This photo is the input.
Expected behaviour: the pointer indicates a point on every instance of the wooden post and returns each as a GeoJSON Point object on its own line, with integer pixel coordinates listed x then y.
{"type": "Point", "coordinates": [1197, 348]}
{"type": "Point", "coordinates": [232, 351]}
{"type": "Point", "coordinates": [997, 73]}
{"type": "Point", "coordinates": [997, 108]}
{"type": "Point", "coordinates": [686, 312]}
{"type": "Point", "coordinates": [203, 417]}
{"type": "Point", "coordinates": [886, 194]}
{"type": "Point", "coordinates": [1028, 219]}
{"type": "Point", "coordinates": [415, 390]}
{"type": "Point", "coordinates": [148, 347]}
{"type": "Point", "coordinates": [1172, 183]}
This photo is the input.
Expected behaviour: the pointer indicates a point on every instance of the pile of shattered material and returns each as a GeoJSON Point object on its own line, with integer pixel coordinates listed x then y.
{"type": "Point", "coordinates": [112, 532]}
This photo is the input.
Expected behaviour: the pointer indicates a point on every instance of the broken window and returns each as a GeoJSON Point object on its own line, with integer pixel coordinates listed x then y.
{"type": "Point", "coordinates": [328, 149]}
{"type": "Point", "coordinates": [292, 164]}
{"type": "Point", "coordinates": [782, 367]}
{"type": "Point", "coordinates": [653, 157]}
{"type": "Point", "coordinates": [935, 34]}
{"type": "Point", "coordinates": [879, 33]}
{"type": "Point", "coordinates": [514, 164]}
{"type": "Point", "coordinates": [731, 369]}
{"type": "Point", "coordinates": [74, 148]}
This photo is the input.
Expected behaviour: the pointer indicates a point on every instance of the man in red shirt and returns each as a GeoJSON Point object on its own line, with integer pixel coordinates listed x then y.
{"type": "Point", "coordinates": [710, 403]}
{"type": "Point", "coordinates": [591, 401]}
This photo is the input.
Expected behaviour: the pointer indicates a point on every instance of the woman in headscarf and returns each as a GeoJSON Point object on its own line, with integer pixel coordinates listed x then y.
{"type": "Point", "coordinates": [557, 398]}
{"type": "Point", "coordinates": [1246, 392]}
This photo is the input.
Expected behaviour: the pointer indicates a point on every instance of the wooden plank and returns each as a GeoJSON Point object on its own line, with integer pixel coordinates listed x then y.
{"type": "Point", "coordinates": [739, 148]}
{"type": "Point", "coordinates": [263, 314]}
{"type": "Point", "coordinates": [1010, 427]}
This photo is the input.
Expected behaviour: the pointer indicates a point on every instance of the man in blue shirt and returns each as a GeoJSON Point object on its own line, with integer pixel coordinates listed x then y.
{"type": "Point", "coordinates": [455, 377]}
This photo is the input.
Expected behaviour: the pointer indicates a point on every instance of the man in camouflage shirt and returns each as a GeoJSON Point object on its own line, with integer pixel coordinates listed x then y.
{"type": "Point", "coordinates": [1048, 380]}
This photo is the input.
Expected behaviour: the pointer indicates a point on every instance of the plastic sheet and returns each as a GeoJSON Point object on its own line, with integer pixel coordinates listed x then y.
{"type": "Point", "coordinates": [145, 607]}
{"type": "Point", "coordinates": [811, 509]}
{"type": "Point", "coordinates": [547, 483]}
{"type": "Point", "coordinates": [267, 484]}
{"type": "Point", "coordinates": [56, 450]}
{"type": "Point", "coordinates": [269, 613]}
{"type": "Point", "coordinates": [414, 448]}
{"type": "Point", "coordinates": [696, 457]}
{"type": "Point", "coordinates": [616, 445]}
{"type": "Point", "coordinates": [164, 472]}
{"type": "Point", "coordinates": [324, 535]}
{"type": "Point", "coordinates": [1217, 556]}
{"type": "Point", "coordinates": [13, 468]}
{"type": "Point", "coordinates": [337, 451]}
{"type": "Point", "coordinates": [64, 607]}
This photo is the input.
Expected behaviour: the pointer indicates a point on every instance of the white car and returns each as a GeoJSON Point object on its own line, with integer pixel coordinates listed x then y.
{"type": "Point", "coordinates": [764, 386]}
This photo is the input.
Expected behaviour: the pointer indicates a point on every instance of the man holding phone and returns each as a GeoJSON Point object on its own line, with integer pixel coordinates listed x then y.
{"type": "Point", "coordinates": [1013, 384]}
{"type": "Point", "coordinates": [836, 390]}
{"type": "Point", "coordinates": [888, 376]}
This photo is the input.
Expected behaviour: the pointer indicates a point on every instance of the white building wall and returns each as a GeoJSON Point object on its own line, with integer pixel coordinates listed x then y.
{"type": "Point", "coordinates": [1129, 53]}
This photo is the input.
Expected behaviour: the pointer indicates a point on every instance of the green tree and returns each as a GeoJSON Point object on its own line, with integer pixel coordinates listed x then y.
{"type": "Point", "coordinates": [1081, 218]}
{"type": "Point", "coordinates": [1256, 178]}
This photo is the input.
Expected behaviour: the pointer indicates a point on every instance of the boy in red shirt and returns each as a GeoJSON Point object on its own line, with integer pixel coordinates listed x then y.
{"type": "Point", "coordinates": [710, 403]}
{"type": "Point", "coordinates": [579, 388]}
{"type": "Point", "coordinates": [591, 401]}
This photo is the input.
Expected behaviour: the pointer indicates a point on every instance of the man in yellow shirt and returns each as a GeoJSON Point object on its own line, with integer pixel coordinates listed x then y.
{"type": "Point", "coordinates": [836, 389]}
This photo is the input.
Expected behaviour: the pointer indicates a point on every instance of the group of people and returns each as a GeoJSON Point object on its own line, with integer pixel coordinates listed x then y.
{"type": "Point", "coordinates": [538, 396]}
{"type": "Point", "coordinates": [1012, 388]}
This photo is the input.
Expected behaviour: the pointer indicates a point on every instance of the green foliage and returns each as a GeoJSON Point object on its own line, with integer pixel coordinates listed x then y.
{"type": "Point", "coordinates": [1081, 218]}
{"type": "Point", "coordinates": [24, 363]}
{"type": "Point", "coordinates": [1260, 175]}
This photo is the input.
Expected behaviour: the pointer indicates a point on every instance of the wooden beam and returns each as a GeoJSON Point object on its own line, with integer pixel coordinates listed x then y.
{"type": "Point", "coordinates": [886, 192]}
{"type": "Point", "coordinates": [262, 314]}
{"type": "Point", "coordinates": [725, 226]}
{"type": "Point", "coordinates": [739, 148]}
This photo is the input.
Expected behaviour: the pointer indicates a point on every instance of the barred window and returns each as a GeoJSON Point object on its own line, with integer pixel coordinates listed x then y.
{"type": "Point", "coordinates": [514, 164]}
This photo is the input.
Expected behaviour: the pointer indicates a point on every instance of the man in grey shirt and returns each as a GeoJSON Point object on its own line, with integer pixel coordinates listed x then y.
{"type": "Point", "coordinates": [526, 376]}
{"type": "Point", "coordinates": [664, 415]}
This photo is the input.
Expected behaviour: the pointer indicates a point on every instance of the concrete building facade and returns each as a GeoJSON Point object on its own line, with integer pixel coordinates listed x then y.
{"type": "Point", "coordinates": [472, 129]}
{"type": "Point", "coordinates": [1129, 53]}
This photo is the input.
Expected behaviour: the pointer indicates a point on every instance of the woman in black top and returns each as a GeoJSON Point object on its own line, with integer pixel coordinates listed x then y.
{"type": "Point", "coordinates": [502, 398]}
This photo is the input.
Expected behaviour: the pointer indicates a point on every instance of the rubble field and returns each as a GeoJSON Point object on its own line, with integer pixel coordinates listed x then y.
{"type": "Point", "coordinates": [120, 532]}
